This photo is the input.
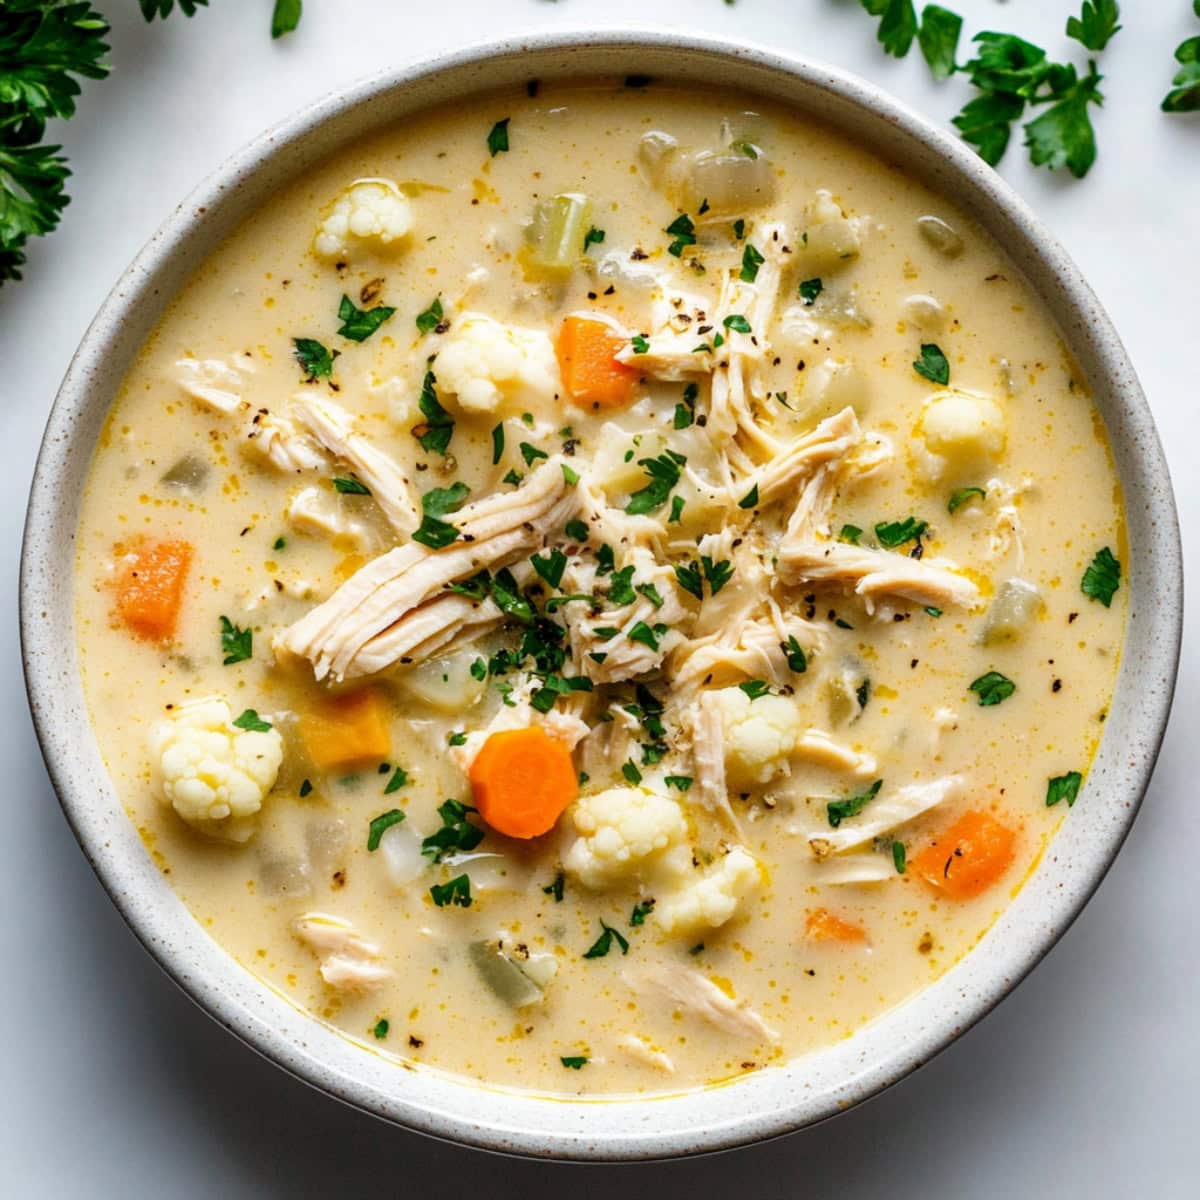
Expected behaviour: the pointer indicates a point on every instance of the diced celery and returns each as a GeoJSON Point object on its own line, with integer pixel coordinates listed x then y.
{"type": "Point", "coordinates": [503, 977]}
{"type": "Point", "coordinates": [555, 236]}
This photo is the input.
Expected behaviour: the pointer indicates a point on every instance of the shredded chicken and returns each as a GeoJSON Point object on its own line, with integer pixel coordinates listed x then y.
{"type": "Point", "coordinates": [494, 532]}
{"type": "Point", "coordinates": [892, 807]}
{"type": "Point", "coordinates": [827, 443]}
{"type": "Point", "coordinates": [348, 961]}
{"type": "Point", "coordinates": [283, 443]}
{"type": "Point", "coordinates": [820, 750]}
{"type": "Point", "coordinates": [700, 997]}
{"type": "Point", "coordinates": [708, 757]}
{"type": "Point", "coordinates": [314, 510]}
{"type": "Point", "coordinates": [847, 870]}
{"type": "Point", "coordinates": [875, 574]}
{"type": "Point", "coordinates": [745, 649]}
{"type": "Point", "coordinates": [640, 1050]}
{"type": "Point", "coordinates": [216, 383]}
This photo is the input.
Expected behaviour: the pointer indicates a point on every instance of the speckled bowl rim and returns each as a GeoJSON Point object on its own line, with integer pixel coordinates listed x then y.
{"type": "Point", "coordinates": [765, 1103]}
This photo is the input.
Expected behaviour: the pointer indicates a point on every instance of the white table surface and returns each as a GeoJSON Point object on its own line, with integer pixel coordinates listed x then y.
{"type": "Point", "coordinates": [1083, 1083]}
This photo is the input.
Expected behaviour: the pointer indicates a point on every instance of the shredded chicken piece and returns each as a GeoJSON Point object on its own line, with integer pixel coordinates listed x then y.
{"type": "Point", "coordinates": [314, 510]}
{"type": "Point", "coordinates": [562, 723]}
{"type": "Point", "coordinates": [615, 527]}
{"type": "Point", "coordinates": [700, 997]}
{"type": "Point", "coordinates": [216, 383]}
{"type": "Point", "coordinates": [494, 532]}
{"type": "Point", "coordinates": [348, 961]}
{"type": "Point", "coordinates": [746, 649]}
{"type": "Point", "coordinates": [639, 1049]}
{"type": "Point", "coordinates": [1008, 530]}
{"type": "Point", "coordinates": [847, 870]}
{"type": "Point", "coordinates": [283, 444]}
{"type": "Point", "coordinates": [890, 809]}
{"type": "Point", "coordinates": [708, 757]}
{"type": "Point", "coordinates": [826, 443]}
{"type": "Point", "coordinates": [875, 574]}
{"type": "Point", "coordinates": [819, 748]}
{"type": "Point", "coordinates": [331, 425]}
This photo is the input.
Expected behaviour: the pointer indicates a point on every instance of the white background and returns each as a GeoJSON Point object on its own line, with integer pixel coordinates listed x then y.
{"type": "Point", "coordinates": [1083, 1083]}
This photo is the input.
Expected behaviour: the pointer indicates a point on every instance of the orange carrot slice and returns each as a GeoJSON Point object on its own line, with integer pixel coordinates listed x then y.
{"type": "Point", "coordinates": [824, 926]}
{"type": "Point", "coordinates": [150, 591]}
{"type": "Point", "coordinates": [522, 780]}
{"type": "Point", "coordinates": [592, 376]}
{"type": "Point", "coordinates": [347, 730]}
{"type": "Point", "coordinates": [967, 858]}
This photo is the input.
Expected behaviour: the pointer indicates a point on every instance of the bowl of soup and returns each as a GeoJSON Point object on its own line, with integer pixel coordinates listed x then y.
{"type": "Point", "coordinates": [602, 597]}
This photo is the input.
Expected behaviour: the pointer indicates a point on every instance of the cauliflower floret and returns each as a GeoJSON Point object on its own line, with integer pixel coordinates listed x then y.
{"type": "Point", "coordinates": [212, 773]}
{"type": "Point", "coordinates": [830, 238]}
{"type": "Point", "coordinates": [625, 830]}
{"type": "Point", "coordinates": [370, 212]}
{"type": "Point", "coordinates": [713, 898]}
{"type": "Point", "coordinates": [962, 431]}
{"type": "Point", "coordinates": [487, 366]}
{"type": "Point", "coordinates": [759, 736]}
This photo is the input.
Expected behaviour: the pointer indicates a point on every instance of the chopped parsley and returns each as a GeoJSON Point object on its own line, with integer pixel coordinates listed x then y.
{"type": "Point", "coordinates": [896, 533]}
{"type": "Point", "coordinates": [677, 503]}
{"type": "Point", "coordinates": [650, 592]}
{"type": "Point", "coordinates": [631, 773]}
{"type": "Point", "coordinates": [1102, 578]}
{"type": "Point", "coordinates": [794, 652]}
{"type": "Point", "coordinates": [576, 529]}
{"type": "Point", "coordinates": [435, 533]}
{"type": "Point", "coordinates": [1063, 787]}
{"type": "Point", "coordinates": [639, 343]}
{"type": "Point", "coordinates": [556, 887]}
{"type": "Point", "coordinates": [938, 38]}
{"type": "Point", "coordinates": [315, 360]}
{"type": "Point", "coordinates": [573, 1062]}
{"type": "Point", "coordinates": [750, 499]}
{"type": "Point", "coordinates": [497, 443]}
{"type": "Point", "coordinates": [380, 825]}
{"type": "Point", "coordinates": [440, 502]}
{"type": "Point", "coordinates": [737, 323]}
{"type": "Point", "coordinates": [435, 432]}
{"type": "Point", "coordinates": [431, 318]}
{"type": "Point", "coordinates": [838, 810]}
{"type": "Point", "coordinates": [359, 323]}
{"type": "Point", "coordinates": [456, 891]}
{"type": "Point", "coordinates": [497, 139]}
{"type": "Point", "coordinates": [992, 688]}
{"type": "Point", "coordinates": [457, 738]}
{"type": "Point", "coordinates": [641, 632]}
{"type": "Point", "coordinates": [456, 833]}
{"type": "Point", "coordinates": [850, 534]}
{"type": "Point", "coordinates": [603, 944]}
{"type": "Point", "coordinates": [739, 229]}
{"type": "Point", "coordinates": [933, 612]}
{"type": "Point", "coordinates": [683, 231]}
{"type": "Point", "coordinates": [755, 688]}
{"type": "Point", "coordinates": [664, 473]}
{"type": "Point", "coordinates": [933, 364]}
{"type": "Point", "coordinates": [1096, 24]}
{"type": "Point", "coordinates": [398, 780]}
{"type": "Point", "coordinates": [349, 486]}
{"type": "Point", "coordinates": [381, 1028]}
{"type": "Point", "coordinates": [962, 495]}
{"type": "Point", "coordinates": [279, 543]}
{"type": "Point", "coordinates": [252, 721]}
{"type": "Point", "coordinates": [593, 237]}
{"type": "Point", "coordinates": [306, 788]}
{"type": "Point", "coordinates": [899, 857]}
{"type": "Point", "coordinates": [810, 289]}
{"type": "Point", "coordinates": [620, 590]}
{"type": "Point", "coordinates": [641, 910]}
{"type": "Point", "coordinates": [681, 782]}
{"type": "Point", "coordinates": [531, 454]}
{"type": "Point", "coordinates": [551, 567]}
{"type": "Point", "coordinates": [236, 643]}
{"type": "Point", "coordinates": [751, 261]}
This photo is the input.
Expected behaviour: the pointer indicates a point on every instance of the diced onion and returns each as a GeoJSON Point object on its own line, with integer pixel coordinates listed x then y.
{"type": "Point", "coordinates": [1016, 605]}
{"type": "Point", "coordinates": [401, 850]}
{"type": "Point", "coordinates": [940, 236]}
{"type": "Point", "coordinates": [729, 183]}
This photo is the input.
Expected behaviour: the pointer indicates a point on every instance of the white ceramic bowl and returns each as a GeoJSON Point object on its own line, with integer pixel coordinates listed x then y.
{"type": "Point", "coordinates": [767, 1102]}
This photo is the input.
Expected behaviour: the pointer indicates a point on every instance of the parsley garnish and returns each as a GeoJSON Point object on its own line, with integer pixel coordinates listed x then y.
{"type": "Point", "coordinates": [305, 788]}
{"type": "Point", "coordinates": [664, 475]}
{"type": "Point", "coordinates": [531, 453]}
{"type": "Point", "coordinates": [897, 24]}
{"type": "Point", "coordinates": [435, 432]}
{"type": "Point", "coordinates": [932, 365]}
{"type": "Point", "coordinates": [751, 261]}
{"type": "Point", "coordinates": [677, 503]}
{"type": "Point", "coordinates": [850, 534]}
{"type": "Point", "coordinates": [381, 1028]}
{"type": "Point", "coordinates": [1063, 787]}
{"type": "Point", "coordinates": [359, 323]}
{"type": "Point", "coordinates": [576, 529]}
{"type": "Point", "coordinates": [639, 343]}
{"type": "Point", "coordinates": [435, 533]}
{"type": "Point", "coordinates": [641, 632]}
{"type": "Point", "coordinates": [398, 780]}
{"type": "Point", "coordinates": [497, 443]}
{"type": "Point", "coordinates": [838, 810]}
{"type": "Point", "coordinates": [573, 1062]}
{"type": "Point", "coordinates": [556, 887]}
{"type": "Point", "coordinates": [439, 502]}
{"type": "Point", "coordinates": [631, 773]}
{"type": "Point", "coordinates": [755, 688]}
{"type": "Point", "coordinates": [431, 318]}
{"type": "Point", "coordinates": [938, 39]}
{"type": "Point", "coordinates": [497, 139]}
{"type": "Point", "coordinates": [794, 652]}
{"type": "Point", "coordinates": [682, 782]}
{"type": "Point", "coordinates": [1102, 578]}
{"type": "Point", "coordinates": [992, 688]}
{"type": "Point", "coordinates": [315, 360]}
{"type": "Point", "coordinates": [1185, 95]}
{"type": "Point", "coordinates": [1096, 24]}
{"type": "Point", "coordinates": [750, 499]}
{"type": "Point", "coordinates": [962, 495]}
{"type": "Point", "coordinates": [603, 944]}
{"type": "Point", "coordinates": [739, 228]}
{"type": "Point", "coordinates": [456, 833]}
{"type": "Point", "coordinates": [380, 825]}
{"type": "Point", "coordinates": [684, 233]}
{"type": "Point", "coordinates": [456, 891]}
{"type": "Point", "coordinates": [899, 857]}
{"type": "Point", "coordinates": [810, 289]}
{"type": "Point", "coordinates": [895, 533]}
{"type": "Point", "coordinates": [350, 487]}
{"type": "Point", "coordinates": [641, 910]}
{"type": "Point", "coordinates": [737, 323]}
{"type": "Point", "coordinates": [593, 237]}
{"type": "Point", "coordinates": [252, 721]}
{"type": "Point", "coordinates": [551, 567]}
{"type": "Point", "coordinates": [620, 591]}
{"type": "Point", "coordinates": [237, 643]}
{"type": "Point", "coordinates": [508, 597]}
{"type": "Point", "coordinates": [279, 543]}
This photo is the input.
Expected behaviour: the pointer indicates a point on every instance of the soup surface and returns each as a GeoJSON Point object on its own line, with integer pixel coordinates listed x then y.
{"type": "Point", "coordinates": [601, 589]}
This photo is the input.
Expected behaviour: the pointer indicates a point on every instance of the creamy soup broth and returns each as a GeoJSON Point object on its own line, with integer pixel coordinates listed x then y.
{"type": "Point", "coordinates": [712, 864]}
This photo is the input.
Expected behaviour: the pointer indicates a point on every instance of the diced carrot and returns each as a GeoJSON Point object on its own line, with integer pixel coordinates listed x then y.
{"type": "Point", "coordinates": [592, 375]}
{"type": "Point", "coordinates": [522, 780]}
{"type": "Point", "coordinates": [150, 591]}
{"type": "Point", "coordinates": [967, 858]}
{"type": "Point", "coordinates": [824, 926]}
{"type": "Point", "coordinates": [347, 730]}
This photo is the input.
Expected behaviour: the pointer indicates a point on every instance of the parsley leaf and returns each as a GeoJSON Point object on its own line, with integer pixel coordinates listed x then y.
{"type": "Point", "coordinates": [1096, 25]}
{"type": "Point", "coordinates": [550, 568]}
{"type": "Point", "coordinates": [641, 910]}
{"type": "Point", "coordinates": [938, 39]}
{"type": "Point", "coordinates": [895, 533]}
{"type": "Point", "coordinates": [683, 231]}
{"type": "Point", "coordinates": [531, 453]}
{"type": "Point", "coordinates": [689, 579]}
{"type": "Point", "coordinates": [456, 833]}
{"type": "Point", "coordinates": [346, 486]}
{"type": "Point", "coordinates": [593, 237]}
{"type": "Point", "coordinates": [359, 323]}
{"type": "Point", "coordinates": [717, 574]}
{"type": "Point", "coordinates": [755, 688]}
{"type": "Point", "coordinates": [641, 632]}
{"type": "Point", "coordinates": [1185, 95]}
{"type": "Point", "coordinates": [250, 720]}
{"type": "Point", "coordinates": [737, 323]}
{"type": "Point", "coordinates": [897, 24]}
{"type": "Point", "coordinates": [508, 597]}
{"type": "Point", "coordinates": [962, 495]}
{"type": "Point", "coordinates": [573, 1062]}
{"type": "Point", "coordinates": [1102, 578]}
{"type": "Point", "coordinates": [751, 261]}
{"type": "Point", "coordinates": [603, 944]}
{"type": "Point", "coordinates": [431, 318]}
{"type": "Point", "coordinates": [838, 810]}
{"type": "Point", "coordinates": [380, 825]}
{"type": "Point", "coordinates": [620, 591]}
{"type": "Point", "coordinates": [794, 652]}
{"type": "Point", "coordinates": [664, 473]}
{"type": "Point", "coordinates": [456, 891]}
{"type": "Point", "coordinates": [238, 644]}
{"type": "Point", "coordinates": [497, 443]}
{"type": "Point", "coordinates": [932, 364]}
{"type": "Point", "coordinates": [992, 688]}
{"type": "Point", "coordinates": [1063, 787]}
{"type": "Point", "coordinates": [682, 782]}
{"type": "Point", "coordinates": [435, 533]}
{"type": "Point", "coordinates": [398, 780]}
{"type": "Point", "coordinates": [1063, 135]}
{"type": "Point", "coordinates": [810, 289]}
{"type": "Point", "coordinates": [899, 857]}
{"type": "Point", "coordinates": [497, 139]}
{"type": "Point", "coordinates": [639, 343]}
{"type": "Point", "coordinates": [315, 360]}
{"type": "Point", "coordinates": [850, 534]}
{"type": "Point", "coordinates": [435, 432]}
{"type": "Point", "coordinates": [439, 502]}
{"type": "Point", "coordinates": [750, 499]}
{"type": "Point", "coordinates": [556, 887]}
{"type": "Point", "coordinates": [381, 1028]}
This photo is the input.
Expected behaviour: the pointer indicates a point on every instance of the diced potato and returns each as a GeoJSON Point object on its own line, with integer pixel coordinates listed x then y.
{"type": "Point", "coordinates": [347, 730]}
{"type": "Point", "coordinates": [445, 683]}
{"type": "Point", "coordinates": [832, 386]}
{"type": "Point", "coordinates": [830, 241]}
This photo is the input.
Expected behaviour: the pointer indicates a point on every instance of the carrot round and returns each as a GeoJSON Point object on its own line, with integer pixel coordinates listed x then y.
{"type": "Point", "coordinates": [824, 926]}
{"type": "Point", "coordinates": [522, 780]}
{"type": "Point", "coordinates": [967, 858]}
{"type": "Point", "coordinates": [150, 590]}
{"type": "Point", "coordinates": [591, 374]}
